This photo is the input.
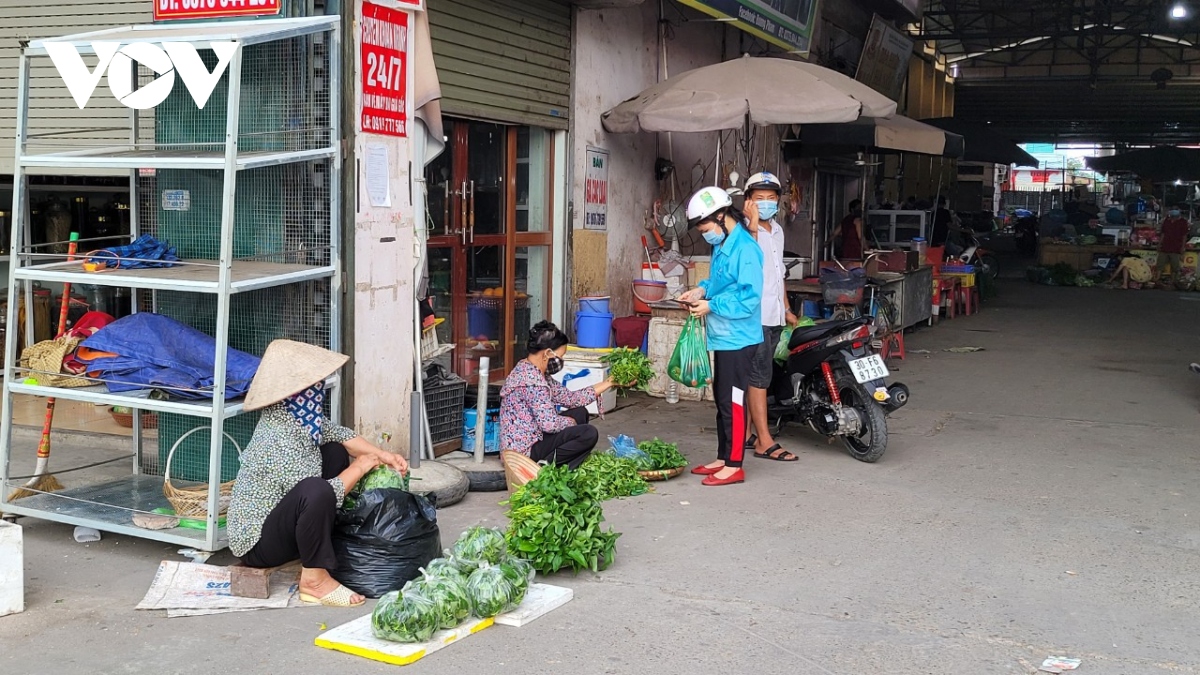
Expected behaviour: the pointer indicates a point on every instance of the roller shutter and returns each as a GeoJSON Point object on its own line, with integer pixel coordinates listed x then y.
{"type": "Point", "coordinates": [52, 107]}
{"type": "Point", "coordinates": [503, 60]}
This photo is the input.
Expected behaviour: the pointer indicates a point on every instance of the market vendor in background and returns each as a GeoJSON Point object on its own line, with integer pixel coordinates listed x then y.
{"type": "Point", "coordinates": [529, 419]}
{"type": "Point", "coordinates": [848, 234]}
{"type": "Point", "coordinates": [1171, 243]}
{"type": "Point", "coordinates": [762, 203]}
{"type": "Point", "coordinates": [939, 230]}
{"type": "Point", "coordinates": [296, 471]}
{"type": "Point", "coordinates": [731, 301]}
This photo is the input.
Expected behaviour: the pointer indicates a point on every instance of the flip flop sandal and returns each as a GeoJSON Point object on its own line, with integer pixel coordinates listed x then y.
{"type": "Point", "coordinates": [783, 456]}
{"type": "Point", "coordinates": [752, 441]}
{"type": "Point", "coordinates": [338, 597]}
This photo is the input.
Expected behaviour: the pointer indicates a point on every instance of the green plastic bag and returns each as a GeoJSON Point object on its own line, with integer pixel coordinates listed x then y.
{"type": "Point", "coordinates": [781, 350]}
{"type": "Point", "coordinates": [689, 363]}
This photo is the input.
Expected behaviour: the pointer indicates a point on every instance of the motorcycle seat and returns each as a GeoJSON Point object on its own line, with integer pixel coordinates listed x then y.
{"type": "Point", "coordinates": [810, 333]}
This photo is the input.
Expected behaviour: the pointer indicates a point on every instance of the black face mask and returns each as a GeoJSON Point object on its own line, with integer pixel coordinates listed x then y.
{"type": "Point", "coordinates": [554, 365]}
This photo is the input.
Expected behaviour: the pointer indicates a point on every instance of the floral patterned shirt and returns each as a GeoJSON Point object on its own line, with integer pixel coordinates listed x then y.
{"type": "Point", "coordinates": [280, 455]}
{"type": "Point", "coordinates": [527, 410]}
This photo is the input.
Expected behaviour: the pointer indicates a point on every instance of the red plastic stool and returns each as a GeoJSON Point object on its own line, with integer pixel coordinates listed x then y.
{"type": "Point", "coordinates": [893, 344]}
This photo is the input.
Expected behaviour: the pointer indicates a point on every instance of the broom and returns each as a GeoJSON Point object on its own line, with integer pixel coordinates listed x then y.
{"type": "Point", "coordinates": [43, 480]}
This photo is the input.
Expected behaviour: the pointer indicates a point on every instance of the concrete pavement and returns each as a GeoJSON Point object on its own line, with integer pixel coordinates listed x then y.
{"type": "Point", "coordinates": [1037, 498]}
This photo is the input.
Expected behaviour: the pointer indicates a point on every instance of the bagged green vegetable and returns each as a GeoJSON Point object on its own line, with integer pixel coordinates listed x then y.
{"type": "Point", "coordinates": [689, 364]}
{"type": "Point", "coordinates": [449, 597]}
{"type": "Point", "coordinates": [492, 592]}
{"type": "Point", "coordinates": [781, 349]}
{"type": "Point", "coordinates": [404, 616]}
{"type": "Point", "coordinates": [479, 544]}
{"type": "Point", "coordinates": [520, 573]}
{"type": "Point", "coordinates": [446, 567]}
{"type": "Point", "coordinates": [382, 477]}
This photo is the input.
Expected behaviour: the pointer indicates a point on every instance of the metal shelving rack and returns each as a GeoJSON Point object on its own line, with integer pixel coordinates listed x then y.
{"type": "Point", "coordinates": [261, 163]}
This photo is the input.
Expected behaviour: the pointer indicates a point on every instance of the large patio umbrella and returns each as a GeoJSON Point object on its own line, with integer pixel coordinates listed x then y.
{"type": "Point", "coordinates": [1162, 163]}
{"type": "Point", "coordinates": [882, 135]}
{"type": "Point", "coordinates": [983, 144]}
{"type": "Point", "coordinates": [731, 94]}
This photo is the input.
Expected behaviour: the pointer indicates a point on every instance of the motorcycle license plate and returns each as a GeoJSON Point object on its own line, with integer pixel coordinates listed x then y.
{"type": "Point", "coordinates": [869, 369]}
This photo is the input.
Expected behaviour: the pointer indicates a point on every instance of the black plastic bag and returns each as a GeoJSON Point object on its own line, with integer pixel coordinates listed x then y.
{"type": "Point", "coordinates": [384, 541]}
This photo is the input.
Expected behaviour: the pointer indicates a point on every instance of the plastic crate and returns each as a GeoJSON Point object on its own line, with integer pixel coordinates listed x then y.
{"type": "Point", "coordinates": [966, 279]}
{"type": "Point", "coordinates": [491, 431]}
{"type": "Point", "coordinates": [959, 269]}
{"type": "Point", "coordinates": [444, 408]}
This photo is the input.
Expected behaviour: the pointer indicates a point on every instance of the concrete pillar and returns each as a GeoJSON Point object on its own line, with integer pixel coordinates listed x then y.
{"type": "Point", "coordinates": [381, 286]}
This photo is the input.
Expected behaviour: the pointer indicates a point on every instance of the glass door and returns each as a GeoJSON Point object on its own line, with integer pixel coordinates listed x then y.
{"type": "Point", "coordinates": [489, 253]}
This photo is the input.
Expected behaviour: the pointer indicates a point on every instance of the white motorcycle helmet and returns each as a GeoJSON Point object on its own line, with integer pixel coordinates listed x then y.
{"type": "Point", "coordinates": [764, 180]}
{"type": "Point", "coordinates": [705, 203]}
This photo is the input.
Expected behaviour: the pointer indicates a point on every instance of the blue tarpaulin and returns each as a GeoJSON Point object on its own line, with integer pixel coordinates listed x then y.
{"type": "Point", "coordinates": [157, 352]}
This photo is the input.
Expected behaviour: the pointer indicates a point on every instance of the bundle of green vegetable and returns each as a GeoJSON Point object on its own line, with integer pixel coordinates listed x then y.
{"type": "Point", "coordinates": [555, 523]}
{"type": "Point", "coordinates": [448, 595]}
{"type": "Point", "coordinates": [629, 369]}
{"type": "Point", "coordinates": [492, 591]}
{"type": "Point", "coordinates": [479, 545]}
{"type": "Point", "coordinates": [661, 456]}
{"type": "Point", "coordinates": [446, 568]}
{"type": "Point", "coordinates": [404, 616]}
{"type": "Point", "coordinates": [607, 476]}
{"type": "Point", "coordinates": [379, 477]}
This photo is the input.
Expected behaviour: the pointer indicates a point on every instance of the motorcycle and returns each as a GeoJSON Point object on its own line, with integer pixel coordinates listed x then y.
{"type": "Point", "coordinates": [835, 381]}
{"type": "Point", "coordinates": [974, 254]}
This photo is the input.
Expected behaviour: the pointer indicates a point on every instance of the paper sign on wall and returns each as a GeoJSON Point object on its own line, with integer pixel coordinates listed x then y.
{"type": "Point", "coordinates": [176, 200]}
{"type": "Point", "coordinates": [379, 176]}
{"type": "Point", "coordinates": [595, 190]}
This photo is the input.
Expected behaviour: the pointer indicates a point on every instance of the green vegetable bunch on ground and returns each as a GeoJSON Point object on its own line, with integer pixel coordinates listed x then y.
{"type": "Point", "coordinates": [404, 616]}
{"type": "Point", "coordinates": [448, 594]}
{"type": "Point", "coordinates": [661, 456]}
{"type": "Point", "coordinates": [555, 523]}
{"type": "Point", "coordinates": [629, 369]}
{"type": "Point", "coordinates": [607, 476]}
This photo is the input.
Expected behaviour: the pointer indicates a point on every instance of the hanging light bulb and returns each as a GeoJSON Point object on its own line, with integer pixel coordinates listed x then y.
{"type": "Point", "coordinates": [1179, 11]}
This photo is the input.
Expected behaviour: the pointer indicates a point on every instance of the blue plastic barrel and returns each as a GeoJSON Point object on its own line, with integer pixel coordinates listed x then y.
{"type": "Point", "coordinates": [593, 330]}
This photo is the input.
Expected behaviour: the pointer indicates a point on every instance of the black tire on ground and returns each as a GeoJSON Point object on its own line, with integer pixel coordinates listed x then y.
{"type": "Point", "coordinates": [992, 266]}
{"type": "Point", "coordinates": [487, 481]}
{"type": "Point", "coordinates": [870, 446]}
{"type": "Point", "coordinates": [449, 495]}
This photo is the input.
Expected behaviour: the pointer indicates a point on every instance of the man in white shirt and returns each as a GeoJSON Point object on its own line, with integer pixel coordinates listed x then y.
{"type": "Point", "coordinates": [762, 203]}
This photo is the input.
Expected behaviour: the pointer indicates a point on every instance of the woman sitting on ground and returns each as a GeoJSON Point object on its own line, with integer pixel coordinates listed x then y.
{"type": "Point", "coordinates": [296, 471]}
{"type": "Point", "coordinates": [529, 419]}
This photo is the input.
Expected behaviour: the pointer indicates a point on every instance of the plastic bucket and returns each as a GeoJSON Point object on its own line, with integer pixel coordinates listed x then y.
{"type": "Point", "coordinates": [593, 330]}
{"type": "Point", "coordinates": [645, 292]}
{"type": "Point", "coordinates": [597, 304]}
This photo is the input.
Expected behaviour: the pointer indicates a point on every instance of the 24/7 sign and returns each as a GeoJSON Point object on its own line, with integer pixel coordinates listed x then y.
{"type": "Point", "coordinates": [384, 46]}
{"type": "Point", "coordinates": [212, 9]}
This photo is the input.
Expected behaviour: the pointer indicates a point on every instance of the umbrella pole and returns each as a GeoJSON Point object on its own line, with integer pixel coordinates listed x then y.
{"type": "Point", "coordinates": [717, 166]}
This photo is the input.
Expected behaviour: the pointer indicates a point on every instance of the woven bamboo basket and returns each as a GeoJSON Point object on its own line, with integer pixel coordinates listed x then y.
{"type": "Point", "coordinates": [661, 474]}
{"type": "Point", "coordinates": [149, 419]}
{"type": "Point", "coordinates": [192, 501]}
{"type": "Point", "coordinates": [518, 469]}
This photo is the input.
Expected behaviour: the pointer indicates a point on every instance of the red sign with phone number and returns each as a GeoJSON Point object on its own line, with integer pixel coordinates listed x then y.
{"type": "Point", "coordinates": [384, 36]}
{"type": "Point", "coordinates": [211, 9]}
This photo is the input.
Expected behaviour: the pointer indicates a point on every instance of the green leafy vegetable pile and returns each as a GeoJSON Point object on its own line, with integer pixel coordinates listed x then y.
{"type": "Point", "coordinates": [492, 591]}
{"type": "Point", "coordinates": [607, 476]}
{"type": "Point", "coordinates": [555, 523]}
{"type": "Point", "coordinates": [404, 616]}
{"type": "Point", "coordinates": [629, 369]}
{"type": "Point", "coordinates": [661, 456]}
{"type": "Point", "coordinates": [379, 477]}
{"type": "Point", "coordinates": [479, 545]}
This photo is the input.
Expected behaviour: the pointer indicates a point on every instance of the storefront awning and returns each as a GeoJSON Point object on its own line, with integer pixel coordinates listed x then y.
{"type": "Point", "coordinates": [983, 144]}
{"type": "Point", "coordinates": [1164, 163]}
{"type": "Point", "coordinates": [883, 134]}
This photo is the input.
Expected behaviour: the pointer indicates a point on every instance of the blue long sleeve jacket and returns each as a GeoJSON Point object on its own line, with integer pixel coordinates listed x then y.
{"type": "Point", "coordinates": [734, 293]}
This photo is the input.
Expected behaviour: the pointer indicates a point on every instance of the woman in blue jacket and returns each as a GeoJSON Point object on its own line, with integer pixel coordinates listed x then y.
{"type": "Point", "coordinates": [731, 299]}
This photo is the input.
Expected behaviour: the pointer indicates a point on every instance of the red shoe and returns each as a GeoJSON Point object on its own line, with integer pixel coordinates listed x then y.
{"type": "Point", "coordinates": [703, 470]}
{"type": "Point", "coordinates": [738, 476]}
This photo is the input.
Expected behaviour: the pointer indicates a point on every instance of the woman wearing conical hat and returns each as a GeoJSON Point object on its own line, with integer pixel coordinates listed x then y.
{"type": "Point", "coordinates": [296, 470]}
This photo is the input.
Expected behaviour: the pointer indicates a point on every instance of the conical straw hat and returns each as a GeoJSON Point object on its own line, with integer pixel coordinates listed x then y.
{"type": "Point", "coordinates": [289, 368]}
